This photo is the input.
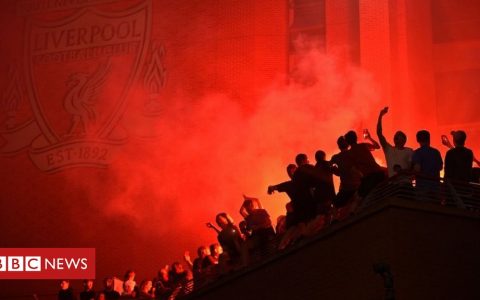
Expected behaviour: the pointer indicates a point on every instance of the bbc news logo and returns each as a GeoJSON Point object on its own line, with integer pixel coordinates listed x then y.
{"type": "Point", "coordinates": [34, 263]}
{"type": "Point", "coordinates": [20, 263]}
{"type": "Point", "coordinates": [47, 263]}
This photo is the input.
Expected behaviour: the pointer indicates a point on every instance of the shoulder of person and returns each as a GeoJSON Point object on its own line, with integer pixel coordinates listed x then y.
{"type": "Point", "coordinates": [417, 153]}
{"type": "Point", "coordinates": [387, 147]}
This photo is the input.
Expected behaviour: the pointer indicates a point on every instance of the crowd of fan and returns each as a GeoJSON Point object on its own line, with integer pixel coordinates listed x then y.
{"type": "Point", "coordinates": [313, 205]}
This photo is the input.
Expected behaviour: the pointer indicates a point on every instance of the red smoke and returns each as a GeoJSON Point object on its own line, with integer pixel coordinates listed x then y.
{"type": "Point", "coordinates": [209, 152]}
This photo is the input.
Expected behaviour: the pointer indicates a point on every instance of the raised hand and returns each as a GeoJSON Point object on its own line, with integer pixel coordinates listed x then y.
{"type": "Point", "coordinates": [186, 255]}
{"type": "Point", "coordinates": [446, 142]}
{"type": "Point", "coordinates": [366, 134]}
{"type": "Point", "coordinates": [384, 111]}
{"type": "Point", "coordinates": [270, 189]}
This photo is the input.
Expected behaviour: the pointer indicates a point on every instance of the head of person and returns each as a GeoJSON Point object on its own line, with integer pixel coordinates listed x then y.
{"type": "Point", "coordinates": [88, 284]}
{"type": "Point", "coordinates": [223, 220]}
{"type": "Point", "coordinates": [176, 268]}
{"type": "Point", "coordinates": [101, 296]}
{"type": "Point", "coordinates": [249, 205]}
{"type": "Point", "coordinates": [146, 286]}
{"type": "Point", "coordinates": [108, 283]}
{"type": "Point", "coordinates": [351, 137]}
{"type": "Point", "coordinates": [216, 249]}
{"type": "Point", "coordinates": [203, 251]}
{"type": "Point", "coordinates": [399, 139]}
{"type": "Point", "coordinates": [291, 168]}
{"type": "Point", "coordinates": [64, 284]}
{"type": "Point", "coordinates": [301, 159]}
{"type": "Point", "coordinates": [423, 138]}
{"type": "Point", "coordinates": [320, 156]}
{"type": "Point", "coordinates": [459, 137]}
{"type": "Point", "coordinates": [342, 143]}
{"type": "Point", "coordinates": [129, 275]}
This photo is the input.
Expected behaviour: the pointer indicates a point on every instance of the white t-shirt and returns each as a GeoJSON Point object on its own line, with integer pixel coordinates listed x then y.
{"type": "Point", "coordinates": [395, 156]}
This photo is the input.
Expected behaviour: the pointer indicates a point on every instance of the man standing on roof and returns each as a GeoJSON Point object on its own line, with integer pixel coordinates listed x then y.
{"type": "Point", "coordinates": [397, 154]}
{"type": "Point", "coordinates": [363, 161]}
{"type": "Point", "coordinates": [459, 160]}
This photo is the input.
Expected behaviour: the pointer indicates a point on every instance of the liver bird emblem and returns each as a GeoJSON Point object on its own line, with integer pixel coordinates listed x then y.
{"type": "Point", "coordinates": [81, 98]}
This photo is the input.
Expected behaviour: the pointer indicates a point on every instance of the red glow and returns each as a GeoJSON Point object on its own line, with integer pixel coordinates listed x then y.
{"type": "Point", "coordinates": [224, 122]}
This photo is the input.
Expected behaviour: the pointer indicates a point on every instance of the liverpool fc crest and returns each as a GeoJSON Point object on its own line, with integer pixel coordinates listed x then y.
{"type": "Point", "coordinates": [80, 70]}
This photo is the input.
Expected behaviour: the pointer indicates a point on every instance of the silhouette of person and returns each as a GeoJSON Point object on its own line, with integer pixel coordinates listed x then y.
{"type": "Point", "coordinates": [179, 277]}
{"type": "Point", "coordinates": [211, 261]}
{"type": "Point", "coordinates": [66, 292]}
{"type": "Point", "coordinates": [325, 190]}
{"type": "Point", "coordinates": [427, 164]}
{"type": "Point", "coordinates": [286, 186]}
{"type": "Point", "coordinates": [88, 292]}
{"type": "Point", "coordinates": [397, 155]}
{"type": "Point", "coordinates": [446, 142]}
{"type": "Point", "coordinates": [426, 160]}
{"type": "Point", "coordinates": [350, 177]}
{"type": "Point", "coordinates": [109, 291]}
{"type": "Point", "coordinates": [363, 161]}
{"type": "Point", "coordinates": [229, 237]}
{"type": "Point", "coordinates": [215, 252]}
{"type": "Point", "coordinates": [305, 180]}
{"type": "Point", "coordinates": [145, 291]}
{"type": "Point", "coordinates": [258, 222]}
{"type": "Point", "coordinates": [163, 285]}
{"type": "Point", "coordinates": [199, 263]}
{"type": "Point", "coordinates": [289, 188]}
{"type": "Point", "coordinates": [130, 287]}
{"type": "Point", "coordinates": [459, 160]}
{"type": "Point", "coordinates": [256, 217]}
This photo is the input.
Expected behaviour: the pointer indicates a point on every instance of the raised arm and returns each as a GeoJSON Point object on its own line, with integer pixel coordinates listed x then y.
{"type": "Point", "coordinates": [253, 199]}
{"type": "Point", "coordinates": [446, 143]}
{"type": "Point", "coordinates": [373, 143]}
{"type": "Point", "coordinates": [243, 211]}
{"type": "Point", "coordinates": [259, 204]}
{"type": "Point", "coordinates": [210, 225]}
{"type": "Point", "coordinates": [381, 137]}
{"type": "Point", "coordinates": [281, 187]}
{"type": "Point", "coordinates": [187, 259]}
{"type": "Point", "coordinates": [271, 189]}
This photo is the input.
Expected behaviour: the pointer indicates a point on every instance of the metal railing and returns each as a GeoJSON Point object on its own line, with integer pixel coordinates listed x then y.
{"type": "Point", "coordinates": [451, 193]}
